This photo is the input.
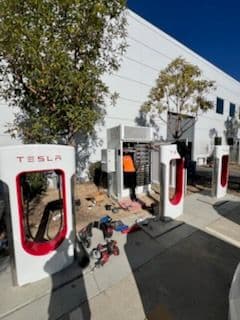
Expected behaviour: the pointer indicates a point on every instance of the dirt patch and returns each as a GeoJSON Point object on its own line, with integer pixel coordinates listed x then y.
{"type": "Point", "coordinates": [203, 179]}
{"type": "Point", "coordinates": [234, 166]}
{"type": "Point", "coordinates": [43, 215]}
{"type": "Point", "coordinates": [90, 211]}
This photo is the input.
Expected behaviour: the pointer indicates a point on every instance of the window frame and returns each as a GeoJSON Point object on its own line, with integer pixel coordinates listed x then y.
{"type": "Point", "coordinates": [231, 104]}
{"type": "Point", "coordinates": [219, 111]}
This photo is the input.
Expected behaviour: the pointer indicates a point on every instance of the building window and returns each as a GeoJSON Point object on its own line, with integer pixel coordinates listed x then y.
{"type": "Point", "coordinates": [220, 105]}
{"type": "Point", "coordinates": [232, 109]}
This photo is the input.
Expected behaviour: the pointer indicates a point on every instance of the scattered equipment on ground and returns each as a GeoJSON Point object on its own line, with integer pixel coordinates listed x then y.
{"type": "Point", "coordinates": [105, 224]}
{"type": "Point", "coordinates": [103, 252]}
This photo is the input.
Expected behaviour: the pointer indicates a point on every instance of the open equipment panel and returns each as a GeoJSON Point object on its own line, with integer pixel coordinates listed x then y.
{"type": "Point", "coordinates": [136, 141]}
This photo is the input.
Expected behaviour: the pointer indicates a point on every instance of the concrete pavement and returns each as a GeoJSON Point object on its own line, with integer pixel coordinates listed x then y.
{"type": "Point", "coordinates": [184, 274]}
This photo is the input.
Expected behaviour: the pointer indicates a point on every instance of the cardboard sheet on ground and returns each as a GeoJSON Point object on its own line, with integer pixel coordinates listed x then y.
{"type": "Point", "coordinates": [128, 204]}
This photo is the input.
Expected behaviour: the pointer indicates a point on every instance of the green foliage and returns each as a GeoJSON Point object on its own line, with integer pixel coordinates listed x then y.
{"type": "Point", "coordinates": [232, 125]}
{"type": "Point", "coordinates": [53, 54]}
{"type": "Point", "coordinates": [93, 167]}
{"type": "Point", "coordinates": [179, 91]}
{"type": "Point", "coordinates": [34, 184]}
{"type": "Point", "coordinates": [96, 175]}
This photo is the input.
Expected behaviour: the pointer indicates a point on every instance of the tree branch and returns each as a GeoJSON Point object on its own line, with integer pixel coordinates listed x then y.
{"type": "Point", "coordinates": [186, 129]}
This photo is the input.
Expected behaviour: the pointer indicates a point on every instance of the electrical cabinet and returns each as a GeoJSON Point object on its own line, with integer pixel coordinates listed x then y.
{"type": "Point", "coordinates": [134, 140]}
{"type": "Point", "coordinates": [108, 160]}
{"type": "Point", "coordinates": [142, 160]}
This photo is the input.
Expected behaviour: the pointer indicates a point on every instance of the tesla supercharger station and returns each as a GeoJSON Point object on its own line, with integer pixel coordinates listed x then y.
{"type": "Point", "coordinates": [41, 224]}
{"type": "Point", "coordinates": [220, 171]}
{"type": "Point", "coordinates": [171, 204]}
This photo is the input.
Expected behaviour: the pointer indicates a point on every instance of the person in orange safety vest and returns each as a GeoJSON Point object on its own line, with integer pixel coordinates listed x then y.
{"type": "Point", "coordinates": [129, 171]}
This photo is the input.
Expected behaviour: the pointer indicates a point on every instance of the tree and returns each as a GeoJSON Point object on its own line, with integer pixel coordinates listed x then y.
{"type": "Point", "coordinates": [232, 126]}
{"type": "Point", "coordinates": [178, 97]}
{"type": "Point", "coordinates": [53, 55]}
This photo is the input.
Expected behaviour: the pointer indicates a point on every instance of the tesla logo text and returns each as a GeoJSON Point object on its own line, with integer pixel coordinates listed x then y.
{"type": "Point", "coordinates": [39, 158]}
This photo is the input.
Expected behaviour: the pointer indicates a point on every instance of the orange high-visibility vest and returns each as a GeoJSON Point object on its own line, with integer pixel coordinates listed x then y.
{"type": "Point", "coordinates": [128, 164]}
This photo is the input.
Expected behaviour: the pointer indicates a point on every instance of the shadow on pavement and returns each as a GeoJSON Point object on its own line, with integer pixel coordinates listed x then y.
{"type": "Point", "coordinates": [189, 280]}
{"type": "Point", "coordinates": [184, 274]}
{"type": "Point", "coordinates": [68, 290]}
{"type": "Point", "coordinates": [228, 209]}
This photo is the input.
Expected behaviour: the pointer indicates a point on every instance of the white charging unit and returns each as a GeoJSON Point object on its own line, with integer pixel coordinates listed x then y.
{"type": "Point", "coordinates": [220, 171]}
{"type": "Point", "coordinates": [41, 255]}
{"type": "Point", "coordinates": [171, 204]}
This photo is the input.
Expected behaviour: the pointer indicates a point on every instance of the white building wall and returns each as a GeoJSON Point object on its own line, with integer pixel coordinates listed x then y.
{"type": "Point", "coordinates": [150, 50]}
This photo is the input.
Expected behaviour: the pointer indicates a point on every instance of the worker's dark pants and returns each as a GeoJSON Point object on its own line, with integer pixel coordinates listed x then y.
{"type": "Point", "coordinates": [131, 183]}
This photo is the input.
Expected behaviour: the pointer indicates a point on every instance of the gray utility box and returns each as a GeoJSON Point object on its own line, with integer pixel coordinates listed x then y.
{"type": "Point", "coordinates": [108, 160]}
{"type": "Point", "coordinates": [136, 141]}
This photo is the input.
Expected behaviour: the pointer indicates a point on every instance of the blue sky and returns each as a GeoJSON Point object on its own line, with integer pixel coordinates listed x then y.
{"type": "Point", "coordinates": [210, 28]}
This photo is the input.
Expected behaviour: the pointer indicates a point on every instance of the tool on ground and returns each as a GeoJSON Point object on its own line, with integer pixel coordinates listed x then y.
{"type": "Point", "coordinates": [115, 210]}
{"type": "Point", "coordinates": [103, 252]}
{"type": "Point", "coordinates": [119, 225]}
{"type": "Point", "coordinates": [85, 235]}
{"type": "Point", "coordinates": [132, 229]}
{"type": "Point", "coordinates": [108, 207]}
